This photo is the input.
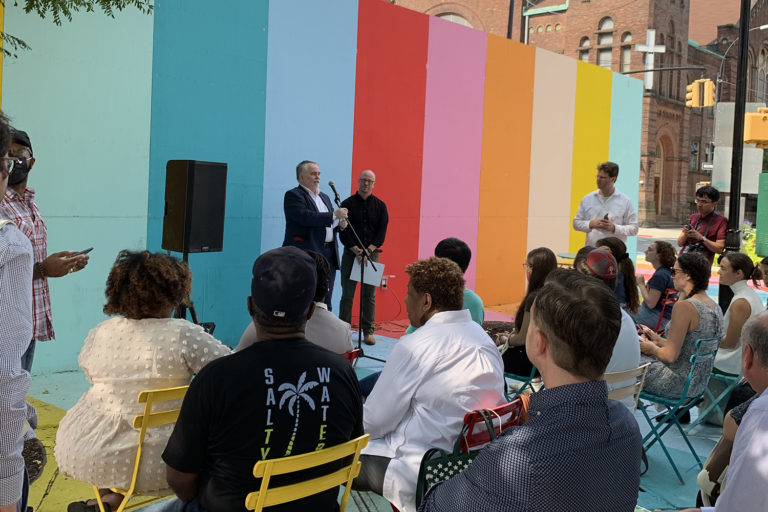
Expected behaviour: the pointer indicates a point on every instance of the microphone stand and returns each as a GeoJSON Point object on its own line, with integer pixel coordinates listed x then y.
{"type": "Point", "coordinates": [362, 283]}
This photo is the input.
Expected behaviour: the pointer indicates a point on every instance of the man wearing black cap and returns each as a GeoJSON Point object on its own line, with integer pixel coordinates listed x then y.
{"type": "Point", "coordinates": [281, 396]}
{"type": "Point", "coordinates": [18, 205]}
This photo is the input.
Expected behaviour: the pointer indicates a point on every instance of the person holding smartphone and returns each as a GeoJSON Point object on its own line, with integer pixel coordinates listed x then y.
{"type": "Point", "coordinates": [705, 230]}
{"type": "Point", "coordinates": [18, 205]}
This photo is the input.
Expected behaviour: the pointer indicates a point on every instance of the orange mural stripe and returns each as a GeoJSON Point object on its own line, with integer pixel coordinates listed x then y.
{"type": "Point", "coordinates": [505, 168]}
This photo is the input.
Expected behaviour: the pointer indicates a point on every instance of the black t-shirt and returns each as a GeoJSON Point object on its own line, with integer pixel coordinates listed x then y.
{"type": "Point", "coordinates": [275, 398]}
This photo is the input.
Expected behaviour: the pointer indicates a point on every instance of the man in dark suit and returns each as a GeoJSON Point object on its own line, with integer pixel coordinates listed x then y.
{"type": "Point", "coordinates": [310, 220]}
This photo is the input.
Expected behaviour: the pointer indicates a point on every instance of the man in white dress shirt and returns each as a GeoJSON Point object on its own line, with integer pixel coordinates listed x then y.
{"type": "Point", "coordinates": [606, 211]}
{"type": "Point", "coordinates": [746, 486]}
{"type": "Point", "coordinates": [446, 368]}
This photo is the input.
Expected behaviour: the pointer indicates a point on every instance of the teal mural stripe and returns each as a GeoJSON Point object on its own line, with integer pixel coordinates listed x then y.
{"type": "Point", "coordinates": [82, 92]}
{"type": "Point", "coordinates": [310, 103]}
{"type": "Point", "coordinates": [208, 103]}
{"type": "Point", "coordinates": [625, 136]}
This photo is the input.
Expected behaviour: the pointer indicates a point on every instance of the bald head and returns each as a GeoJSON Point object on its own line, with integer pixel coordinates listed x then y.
{"type": "Point", "coordinates": [755, 334]}
{"type": "Point", "coordinates": [366, 183]}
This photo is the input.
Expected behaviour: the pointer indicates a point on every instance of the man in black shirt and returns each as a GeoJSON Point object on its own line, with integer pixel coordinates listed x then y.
{"type": "Point", "coordinates": [281, 396]}
{"type": "Point", "coordinates": [368, 215]}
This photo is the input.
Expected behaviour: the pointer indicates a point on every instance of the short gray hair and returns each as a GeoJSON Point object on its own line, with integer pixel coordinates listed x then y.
{"type": "Point", "coordinates": [755, 334]}
{"type": "Point", "coordinates": [303, 166]}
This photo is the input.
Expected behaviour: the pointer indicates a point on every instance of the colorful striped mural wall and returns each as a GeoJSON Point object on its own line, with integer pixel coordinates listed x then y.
{"type": "Point", "coordinates": [470, 135]}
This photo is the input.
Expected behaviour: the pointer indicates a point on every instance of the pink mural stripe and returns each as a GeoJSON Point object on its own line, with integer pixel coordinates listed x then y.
{"type": "Point", "coordinates": [453, 134]}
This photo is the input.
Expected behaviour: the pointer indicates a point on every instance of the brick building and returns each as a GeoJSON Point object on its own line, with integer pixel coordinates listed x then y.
{"type": "Point", "coordinates": [676, 141]}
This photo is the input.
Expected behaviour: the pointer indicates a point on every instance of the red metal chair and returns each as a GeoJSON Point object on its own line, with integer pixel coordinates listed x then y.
{"type": "Point", "coordinates": [352, 356]}
{"type": "Point", "coordinates": [504, 416]}
{"type": "Point", "coordinates": [669, 299]}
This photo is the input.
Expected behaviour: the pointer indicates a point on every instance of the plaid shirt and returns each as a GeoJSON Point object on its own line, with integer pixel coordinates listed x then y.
{"type": "Point", "coordinates": [24, 212]}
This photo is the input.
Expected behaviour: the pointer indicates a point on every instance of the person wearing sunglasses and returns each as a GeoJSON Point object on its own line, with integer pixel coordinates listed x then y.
{"type": "Point", "coordinates": [18, 205]}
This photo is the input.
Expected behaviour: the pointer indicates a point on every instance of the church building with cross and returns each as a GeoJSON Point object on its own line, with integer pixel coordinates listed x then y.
{"type": "Point", "coordinates": [633, 36]}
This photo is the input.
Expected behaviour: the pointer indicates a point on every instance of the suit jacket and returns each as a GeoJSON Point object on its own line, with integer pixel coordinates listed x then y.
{"type": "Point", "coordinates": [305, 226]}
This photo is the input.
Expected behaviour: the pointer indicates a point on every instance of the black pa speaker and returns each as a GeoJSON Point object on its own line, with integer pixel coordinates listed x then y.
{"type": "Point", "coordinates": [195, 193]}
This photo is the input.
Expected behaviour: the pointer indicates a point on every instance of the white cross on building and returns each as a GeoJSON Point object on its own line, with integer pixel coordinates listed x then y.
{"type": "Point", "coordinates": [650, 48]}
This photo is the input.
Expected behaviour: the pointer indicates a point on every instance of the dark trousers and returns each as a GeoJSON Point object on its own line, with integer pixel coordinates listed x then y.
{"type": "Point", "coordinates": [328, 253]}
{"type": "Point", "coordinates": [348, 288]}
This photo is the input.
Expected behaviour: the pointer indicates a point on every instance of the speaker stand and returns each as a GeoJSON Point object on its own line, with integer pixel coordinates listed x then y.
{"type": "Point", "coordinates": [181, 309]}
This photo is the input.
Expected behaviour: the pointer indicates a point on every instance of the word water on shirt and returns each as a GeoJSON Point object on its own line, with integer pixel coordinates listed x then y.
{"type": "Point", "coordinates": [292, 399]}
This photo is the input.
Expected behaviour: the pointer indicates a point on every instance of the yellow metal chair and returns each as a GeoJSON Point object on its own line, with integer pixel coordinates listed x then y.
{"type": "Point", "coordinates": [143, 422]}
{"type": "Point", "coordinates": [269, 496]}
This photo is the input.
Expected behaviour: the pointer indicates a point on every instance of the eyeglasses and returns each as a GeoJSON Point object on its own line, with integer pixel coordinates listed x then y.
{"type": "Point", "coordinates": [363, 180]}
{"type": "Point", "coordinates": [703, 201]}
{"type": "Point", "coordinates": [527, 266]}
{"type": "Point", "coordinates": [674, 271]}
{"type": "Point", "coordinates": [11, 161]}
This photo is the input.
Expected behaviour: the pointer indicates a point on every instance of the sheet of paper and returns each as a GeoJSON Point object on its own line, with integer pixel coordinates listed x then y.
{"type": "Point", "coordinates": [371, 277]}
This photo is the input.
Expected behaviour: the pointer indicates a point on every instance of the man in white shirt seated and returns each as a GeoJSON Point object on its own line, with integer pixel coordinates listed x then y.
{"type": "Point", "coordinates": [435, 375]}
{"type": "Point", "coordinates": [747, 481]}
{"type": "Point", "coordinates": [324, 328]}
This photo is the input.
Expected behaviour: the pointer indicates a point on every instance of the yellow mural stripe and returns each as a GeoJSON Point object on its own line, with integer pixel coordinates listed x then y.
{"type": "Point", "coordinates": [591, 136]}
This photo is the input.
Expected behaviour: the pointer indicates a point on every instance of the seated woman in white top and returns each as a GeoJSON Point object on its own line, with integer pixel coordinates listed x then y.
{"type": "Point", "coordinates": [141, 349]}
{"type": "Point", "coordinates": [735, 269]}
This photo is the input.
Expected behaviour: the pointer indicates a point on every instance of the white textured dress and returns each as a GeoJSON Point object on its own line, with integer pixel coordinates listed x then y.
{"type": "Point", "coordinates": [96, 441]}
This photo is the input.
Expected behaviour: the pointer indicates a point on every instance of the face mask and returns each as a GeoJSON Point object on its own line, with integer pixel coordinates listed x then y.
{"type": "Point", "coordinates": [20, 171]}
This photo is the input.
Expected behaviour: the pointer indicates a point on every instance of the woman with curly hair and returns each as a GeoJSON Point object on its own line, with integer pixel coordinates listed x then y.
{"type": "Point", "coordinates": [141, 348]}
{"type": "Point", "coordinates": [626, 289]}
{"type": "Point", "coordinates": [694, 316]}
{"type": "Point", "coordinates": [662, 256]}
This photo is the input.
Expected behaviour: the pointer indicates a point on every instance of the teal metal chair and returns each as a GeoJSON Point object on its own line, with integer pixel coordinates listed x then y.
{"type": "Point", "coordinates": [717, 403]}
{"type": "Point", "coordinates": [674, 408]}
{"type": "Point", "coordinates": [526, 380]}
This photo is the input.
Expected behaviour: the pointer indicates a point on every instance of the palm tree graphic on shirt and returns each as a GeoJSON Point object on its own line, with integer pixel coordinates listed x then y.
{"type": "Point", "coordinates": [293, 395]}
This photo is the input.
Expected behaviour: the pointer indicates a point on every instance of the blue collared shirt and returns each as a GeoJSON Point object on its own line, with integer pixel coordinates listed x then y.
{"type": "Point", "coordinates": [577, 449]}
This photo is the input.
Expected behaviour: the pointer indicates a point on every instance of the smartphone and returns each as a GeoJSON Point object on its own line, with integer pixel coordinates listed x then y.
{"type": "Point", "coordinates": [78, 253]}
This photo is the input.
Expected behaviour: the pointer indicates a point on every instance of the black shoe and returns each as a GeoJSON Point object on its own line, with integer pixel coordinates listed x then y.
{"type": "Point", "coordinates": [684, 419]}
{"type": "Point", "coordinates": [82, 506]}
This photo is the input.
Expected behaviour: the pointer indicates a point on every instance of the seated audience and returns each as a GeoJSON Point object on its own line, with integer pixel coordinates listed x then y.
{"type": "Point", "coordinates": [459, 252]}
{"type": "Point", "coordinates": [601, 264]}
{"type": "Point", "coordinates": [694, 316]}
{"type": "Point", "coordinates": [142, 348]}
{"type": "Point", "coordinates": [281, 396]}
{"type": "Point", "coordinates": [764, 269]}
{"type": "Point", "coordinates": [626, 287]}
{"type": "Point", "coordinates": [735, 269]}
{"type": "Point", "coordinates": [433, 377]}
{"type": "Point", "coordinates": [539, 263]}
{"type": "Point", "coordinates": [662, 256]}
{"type": "Point", "coordinates": [747, 481]}
{"type": "Point", "coordinates": [579, 450]}
{"type": "Point", "coordinates": [324, 328]}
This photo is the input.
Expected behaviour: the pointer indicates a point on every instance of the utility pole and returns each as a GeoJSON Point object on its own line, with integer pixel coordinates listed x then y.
{"type": "Point", "coordinates": [733, 236]}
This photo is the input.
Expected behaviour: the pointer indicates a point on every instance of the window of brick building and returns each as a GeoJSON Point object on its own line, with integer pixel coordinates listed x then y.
{"type": "Point", "coordinates": [605, 43]}
{"type": "Point", "coordinates": [626, 51]}
{"type": "Point", "coordinates": [762, 76]}
{"type": "Point", "coordinates": [456, 18]}
{"type": "Point", "coordinates": [584, 49]}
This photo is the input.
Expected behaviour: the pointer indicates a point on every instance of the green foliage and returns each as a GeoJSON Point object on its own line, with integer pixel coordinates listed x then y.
{"type": "Point", "coordinates": [748, 241]}
{"type": "Point", "coordinates": [63, 9]}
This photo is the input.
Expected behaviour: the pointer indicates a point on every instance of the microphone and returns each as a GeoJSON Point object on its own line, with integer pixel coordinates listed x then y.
{"type": "Point", "coordinates": [335, 193]}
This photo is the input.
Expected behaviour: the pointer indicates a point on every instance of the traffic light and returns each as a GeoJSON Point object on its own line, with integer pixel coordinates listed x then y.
{"type": "Point", "coordinates": [756, 128]}
{"type": "Point", "coordinates": [709, 93]}
{"type": "Point", "coordinates": [693, 95]}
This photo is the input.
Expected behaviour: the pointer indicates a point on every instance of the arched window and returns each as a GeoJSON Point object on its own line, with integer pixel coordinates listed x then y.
{"type": "Point", "coordinates": [762, 76]}
{"type": "Point", "coordinates": [584, 49]}
{"type": "Point", "coordinates": [626, 51]}
{"type": "Point", "coordinates": [605, 43]}
{"type": "Point", "coordinates": [455, 18]}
